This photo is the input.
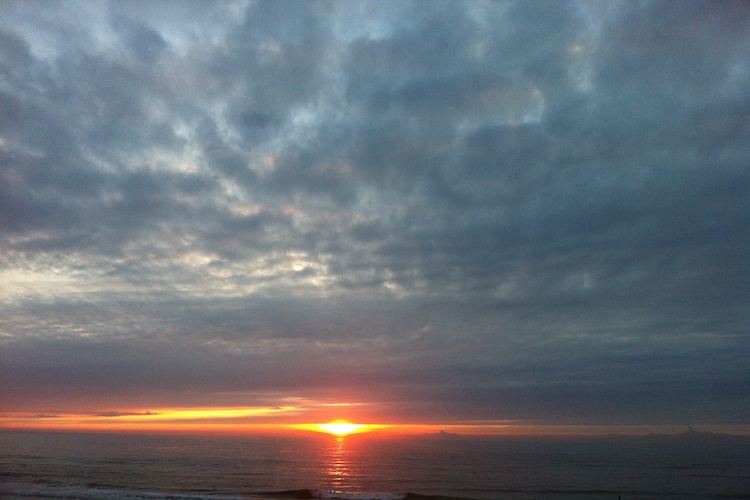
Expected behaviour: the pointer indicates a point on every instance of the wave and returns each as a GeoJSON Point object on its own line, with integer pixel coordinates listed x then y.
{"type": "Point", "coordinates": [13, 491]}
{"type": "Point", "coordinates": [94, 493]}
{"type": "Point", "coordinates": [305, 494]}
{"type": "Point", "coordinates": [35, 491]}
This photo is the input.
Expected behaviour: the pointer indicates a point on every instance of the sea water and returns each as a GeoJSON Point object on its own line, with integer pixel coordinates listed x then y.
{"type": "Point", "coordinates": [100, 466]}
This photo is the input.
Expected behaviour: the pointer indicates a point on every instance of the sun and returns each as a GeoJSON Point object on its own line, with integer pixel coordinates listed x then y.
{"type": "Point", "coordinates": [340, 427]}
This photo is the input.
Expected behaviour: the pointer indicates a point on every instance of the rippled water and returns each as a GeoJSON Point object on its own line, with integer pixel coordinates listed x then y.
{"type": "Point", "coordinates": [143, 467]}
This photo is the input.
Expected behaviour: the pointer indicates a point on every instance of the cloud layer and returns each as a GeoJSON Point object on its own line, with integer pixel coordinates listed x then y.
{"type": "Point", "coordinates": [472, 211]}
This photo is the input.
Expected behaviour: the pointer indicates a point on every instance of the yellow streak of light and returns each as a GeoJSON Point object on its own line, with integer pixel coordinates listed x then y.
{"type": "Point", "coordinates": [157, 419]}
{"type": "Point", "coordinates": [203, 413]}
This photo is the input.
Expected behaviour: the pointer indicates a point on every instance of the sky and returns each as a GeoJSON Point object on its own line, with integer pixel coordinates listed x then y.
{"type": "Point", "coordinates": [488, 212]}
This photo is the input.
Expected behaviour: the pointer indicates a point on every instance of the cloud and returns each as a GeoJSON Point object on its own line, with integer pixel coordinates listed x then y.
{"type": "Point", "coordinates": [471, 211]}
{"type": "Point", "coordinates": [124, 414]}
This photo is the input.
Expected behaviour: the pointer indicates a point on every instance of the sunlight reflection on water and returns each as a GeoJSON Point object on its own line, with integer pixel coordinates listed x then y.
{"type": "Point", "coordinates": [337, 469]}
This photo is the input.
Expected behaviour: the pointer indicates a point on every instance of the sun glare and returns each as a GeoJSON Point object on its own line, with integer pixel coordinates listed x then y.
{"type": "Point", "coordinates": [340, 427]}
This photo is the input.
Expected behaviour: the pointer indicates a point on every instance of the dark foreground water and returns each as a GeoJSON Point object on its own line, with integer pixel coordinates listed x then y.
{"type": "Point", "coordinates": [37, 465]}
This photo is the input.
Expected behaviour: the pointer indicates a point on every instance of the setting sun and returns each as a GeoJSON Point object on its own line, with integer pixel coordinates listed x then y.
{"type": "Point", "coordinates": [340, 427]}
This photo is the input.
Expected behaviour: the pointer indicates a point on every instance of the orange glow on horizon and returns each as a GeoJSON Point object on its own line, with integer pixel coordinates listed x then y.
{"type": "Point", "coordinates": [285, 420]}
{"type": "Point", "coordinates": [235, 420]}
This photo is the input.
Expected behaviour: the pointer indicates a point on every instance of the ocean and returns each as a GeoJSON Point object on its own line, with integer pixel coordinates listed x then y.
{"type": "Point", "coordinates": [374, 466]}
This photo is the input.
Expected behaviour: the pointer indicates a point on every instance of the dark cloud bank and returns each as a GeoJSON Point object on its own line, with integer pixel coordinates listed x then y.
{"type": "Point", "coordinates": [454, 210]}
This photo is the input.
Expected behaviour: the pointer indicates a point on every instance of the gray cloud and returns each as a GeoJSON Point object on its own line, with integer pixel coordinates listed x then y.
{"type": "Point", "coordinates": [519, 210]}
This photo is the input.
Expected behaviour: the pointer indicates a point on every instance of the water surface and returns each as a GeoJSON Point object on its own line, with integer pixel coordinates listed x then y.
{"type": "Point", "coordinates": [91, 466]}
